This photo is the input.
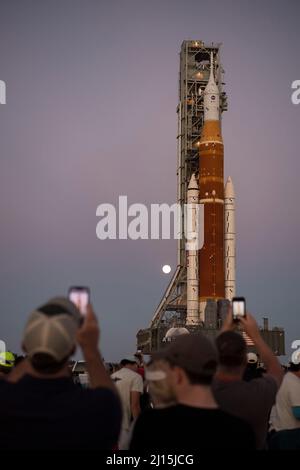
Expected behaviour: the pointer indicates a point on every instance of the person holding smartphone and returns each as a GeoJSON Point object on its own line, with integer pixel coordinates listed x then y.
{"type": "Point", "coordinates": [251, 401]}
{"type": "Point", "coordinates": [40, 407]}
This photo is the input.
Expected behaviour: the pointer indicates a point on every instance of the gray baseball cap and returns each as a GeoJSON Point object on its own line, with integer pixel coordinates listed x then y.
{"type": "Point", "coordinates": [52, 328]}
{"type": "Point", "coordinates": [194, 353]}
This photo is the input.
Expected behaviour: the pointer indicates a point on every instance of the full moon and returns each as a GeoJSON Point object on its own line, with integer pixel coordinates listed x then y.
{"type": "Point", "coordinates": [166, 269]}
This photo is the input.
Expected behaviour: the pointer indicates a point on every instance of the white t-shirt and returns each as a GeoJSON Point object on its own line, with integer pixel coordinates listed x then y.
{"type": "Point", "coordinates": [288, 396]}
{"type": "Point", "coordinates": [126, 382]}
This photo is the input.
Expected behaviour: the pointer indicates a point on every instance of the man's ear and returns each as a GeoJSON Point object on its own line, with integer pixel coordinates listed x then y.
{"type": "Point", "coordinates": [23, 348]}
{"type": "Point", "coordinates": [177, 375]}
{"type": "Point", "coordinates": [181, 376]}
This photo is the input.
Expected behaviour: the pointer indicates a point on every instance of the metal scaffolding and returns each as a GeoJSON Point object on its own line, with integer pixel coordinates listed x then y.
{"type": "Point", "coordinates": [193, 77]}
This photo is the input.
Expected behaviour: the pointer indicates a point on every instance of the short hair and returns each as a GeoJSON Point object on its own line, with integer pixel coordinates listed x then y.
{"type": "Point", "coordinates": [46, 364]}
{"type": "Point", "coordinates": [232, 349]}
{"type": "Point", "coordinates": [161, 391]}
{"type": "Point", "coordinates": [126, 362]}
{"type": "Point", "coordinates": [205, 377]}
{"type": "Point", "coordinates": [202, 378]}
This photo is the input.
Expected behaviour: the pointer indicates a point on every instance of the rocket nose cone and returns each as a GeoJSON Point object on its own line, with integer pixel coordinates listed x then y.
{"type": "Point", "coordinates": [229, 188]}
{"type": "Point", "coordinates": [193, 184]}
{"type": "Point", "coordinates": [211, 88]}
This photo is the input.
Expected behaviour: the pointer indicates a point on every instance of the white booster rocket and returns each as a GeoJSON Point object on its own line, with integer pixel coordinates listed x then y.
{"type": "Point", "coordinates": [229, 239]}
{"type": "Point", "coordinates": [192, 294]}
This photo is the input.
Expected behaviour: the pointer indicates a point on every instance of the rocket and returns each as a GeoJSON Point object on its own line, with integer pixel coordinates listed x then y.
{"type": "Point", "coordinates": [211, 194]}
{"type": "Point", "coordinates": [192, 317]}
{"type": "Point", "coordinates": [210, 270]}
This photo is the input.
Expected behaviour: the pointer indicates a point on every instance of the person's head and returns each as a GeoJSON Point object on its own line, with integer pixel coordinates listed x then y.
{"type": "Point", "coordinates": [109, 367]}
{"type": "Point", "coordinates": [232, 352]}
{"type": "Point", "coordinates": [129, 363]}
{"type": "Point", "coordinates": [116, 366]}
{"type": "Point", "coordinates": [50, 336]}
{"type": "Point", "coordinates": [139, 358]}
{"type": "Point", "coordinates": [158, 379]}
{"type": "Point", "coordinates": [192, 362]}
{"type": "Point", "coordinates": [252, 361]}
{"type": "Point", "coordinates": [295, 368]}
{"type": "Point", "coordinates": [7, 362]}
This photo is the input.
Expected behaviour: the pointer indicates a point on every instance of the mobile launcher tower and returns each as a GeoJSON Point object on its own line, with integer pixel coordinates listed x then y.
{"type": "Point", "coordinates": [204, 283]}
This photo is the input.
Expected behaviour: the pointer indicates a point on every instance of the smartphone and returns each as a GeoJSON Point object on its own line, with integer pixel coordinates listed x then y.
{"type": "Point", "coordinates": [238, 307]}
{"type": "Point", "coordinates": [80, 296]}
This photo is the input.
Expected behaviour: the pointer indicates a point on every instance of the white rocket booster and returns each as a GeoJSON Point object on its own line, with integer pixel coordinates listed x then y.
{"type": "Point", "coordinates": [192, 317]}
{"type": "Point", "coordinates": [229, 239]}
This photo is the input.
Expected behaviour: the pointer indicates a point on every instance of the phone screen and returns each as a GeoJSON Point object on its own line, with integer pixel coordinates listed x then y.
{"type": "Point", "coordinates": [80, 296]}
{"type": "Point", "coordinates": [238, 307]}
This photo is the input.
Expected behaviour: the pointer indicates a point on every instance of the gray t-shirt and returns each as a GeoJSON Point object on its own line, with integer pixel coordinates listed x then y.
{"type": "Point", "coordinates": [251, 401]}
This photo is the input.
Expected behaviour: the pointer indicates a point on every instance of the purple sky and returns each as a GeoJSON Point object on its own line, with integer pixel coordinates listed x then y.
{"type": "Point", "coordinates": [90, 114]}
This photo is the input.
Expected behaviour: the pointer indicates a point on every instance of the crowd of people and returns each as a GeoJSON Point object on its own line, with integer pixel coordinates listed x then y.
{"type": "Point", "coordinates": [194, 393]}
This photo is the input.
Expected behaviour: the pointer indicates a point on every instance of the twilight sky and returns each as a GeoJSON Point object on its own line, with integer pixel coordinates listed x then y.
{"type": "Point", "coordinates": [91, 115]}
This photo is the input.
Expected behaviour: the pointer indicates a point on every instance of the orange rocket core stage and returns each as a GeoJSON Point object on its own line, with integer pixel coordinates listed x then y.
{"type": "Point", "coordinates": [211, 191]}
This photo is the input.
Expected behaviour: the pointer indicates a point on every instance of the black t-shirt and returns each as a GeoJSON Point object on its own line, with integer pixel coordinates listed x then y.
{"type": "Point", "coordinates": [56, 414]}
{"type": "Point", "coordinates": [184, 427]}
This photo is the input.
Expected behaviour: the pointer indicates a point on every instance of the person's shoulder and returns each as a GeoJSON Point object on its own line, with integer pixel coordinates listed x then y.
{"type": "Point", "coordinates": [124, 373]}
{"type": "Point", "coordinates": [133, 374]}
{"type": "Point", "coordinates": [224, 385]}
{"type": "Point", "coordinates": [291, 378]}
{"type": "Point", "coordinates": [118, 373]}
{"type": "Point", "coordinates": [264, 383]}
